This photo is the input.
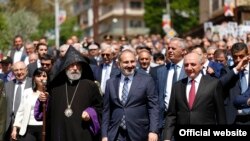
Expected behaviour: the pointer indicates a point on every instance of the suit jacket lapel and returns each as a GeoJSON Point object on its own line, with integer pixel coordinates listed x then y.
{"type": "Point", "coordinates": [164, 76]}
{"type": "Point", "coordinates": [182, 73]}
{"type": "Point", "coordinates": [134, 86]}
{"type": "Point", "coordinates": [28, 83]}
{"type": "Point", "coordinates": [116, 84]}
{"type": "Point", "coordinates": [199, 91]}
{"type": "Point", "coordinates": [12, 87]}
{"type": "Point", "coordinates": [183, 92]}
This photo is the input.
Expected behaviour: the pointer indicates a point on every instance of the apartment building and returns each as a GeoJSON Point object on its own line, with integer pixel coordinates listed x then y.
{"type": "Point", "coordinates": [114, 17]}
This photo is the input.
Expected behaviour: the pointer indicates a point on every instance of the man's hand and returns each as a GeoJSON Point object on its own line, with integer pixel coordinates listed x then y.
{"type": "Point", "coordinates": [14, 133]}
{"type": "Point", "coordinates": [85, 116]}
{"type": "Point", "coordinates": [242, 64]}
{"type": "Point", "coordinates": [210, 70]}
{"type": "Point", "coordinates": [104, 139]}
{"type": "Point", "coordinates": [43, 96]}
{"type": "Point", "coordinates": [152, 136]}
{"type": "Point", "coordinates": [248, 101]}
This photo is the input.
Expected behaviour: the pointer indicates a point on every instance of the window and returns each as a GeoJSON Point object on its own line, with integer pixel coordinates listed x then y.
{"type": "Point", "coordinates": [135, 23]}
{"type": "Point", "coordinates": [135, 5]}
{"type": "Point", "coordinates": [215, 5]}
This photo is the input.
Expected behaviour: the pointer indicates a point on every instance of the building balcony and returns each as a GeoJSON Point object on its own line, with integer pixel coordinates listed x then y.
{"type": "Point", "coordinates": [120, 12]}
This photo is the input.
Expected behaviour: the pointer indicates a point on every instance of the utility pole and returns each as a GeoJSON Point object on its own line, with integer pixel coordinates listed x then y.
{"type": "Point", "coordinates": [167, 7]}
{"type": "Point", "coordinates": [57, 24]}
{"type": "Point", "coordinates": [124, 18]}
{"type": "Point", "coordinates": [95, 20]}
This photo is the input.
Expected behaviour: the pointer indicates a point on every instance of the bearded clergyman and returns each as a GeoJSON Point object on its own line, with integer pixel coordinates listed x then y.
{"type": "Point", "coordinates": [74, 102]}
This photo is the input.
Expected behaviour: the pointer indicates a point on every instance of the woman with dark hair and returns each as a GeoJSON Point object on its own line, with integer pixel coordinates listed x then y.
{"type": "Point", "coordinates": [30, 129]}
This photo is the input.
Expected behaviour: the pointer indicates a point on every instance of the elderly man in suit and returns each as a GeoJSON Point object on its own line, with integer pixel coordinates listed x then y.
{"type": "Point", "coordinates": [131, 108]}
{"type": "Point", "coordinates": [2, 109]}
{"type": "Point", "coordinates": [195, 100]}
{"type": "Point", "coordinates": [14, 91]}
{"type": "Point", "coordinates": [169, 74]}
{"type": "Point", "coordinates": [107, 68]}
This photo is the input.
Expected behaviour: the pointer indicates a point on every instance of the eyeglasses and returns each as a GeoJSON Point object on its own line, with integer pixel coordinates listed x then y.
{"type": "Point", "coordinates": [45, 64]}
{"type": "Point", "coordinates": [105, 55]}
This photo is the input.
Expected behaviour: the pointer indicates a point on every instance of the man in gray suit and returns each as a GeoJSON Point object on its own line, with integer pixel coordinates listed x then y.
{"type": "Point", "coordinates": [2, 109]}
{"type": "Point", "coordinates": [13, 91]}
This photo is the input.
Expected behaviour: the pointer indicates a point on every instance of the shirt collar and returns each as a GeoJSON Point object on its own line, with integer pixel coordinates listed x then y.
{"type": "Point", "coordinates": [197, 78]}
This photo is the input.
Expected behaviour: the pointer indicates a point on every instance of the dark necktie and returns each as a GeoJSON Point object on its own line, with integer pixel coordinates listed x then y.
{"type": "Point", "coordinates": [18, 96]}
{"type": "Point", "coordinates": [191, 94]}
{"type": "Point", "coordinates": [243, 82]}
{"type": "Point", "coordinates": [124, 99]}
{"type": "Point", "coordinates": [244, 86]}
{"type": "Point", "coordinates": [175, 73]}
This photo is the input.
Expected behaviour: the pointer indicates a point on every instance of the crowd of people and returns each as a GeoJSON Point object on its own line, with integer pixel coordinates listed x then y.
{"type": "Point", "coordinates": [122, 89]}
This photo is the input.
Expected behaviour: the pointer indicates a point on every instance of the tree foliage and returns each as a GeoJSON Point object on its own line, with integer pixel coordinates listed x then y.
{"type": "Point", "coordinates": [40, 20]}
{"type": "Point", "coordinates": [22, 23]}
{"type": "Point", "coordinates": [69, 28]}
{"type": "Point", "coordinates": [184, 14]}
{"type": "Point", "coordinates": [4, 33]}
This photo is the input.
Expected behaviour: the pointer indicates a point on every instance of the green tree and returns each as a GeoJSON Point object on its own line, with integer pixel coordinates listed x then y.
{"type": "Point", "coordinates": [153, 15]}
{"type": "Point", "coordinates": [184, 14]}
{"type": "Point", "coordinates": [22, 22]}
{"type": "Point", "coordinates": [4, 34]}
{"type": "Point", "coordinates": [69, 28]}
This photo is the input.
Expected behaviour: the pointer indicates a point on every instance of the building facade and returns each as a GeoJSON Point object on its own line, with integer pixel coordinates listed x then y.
{"type": "Point", "coordinates": [114, 17]}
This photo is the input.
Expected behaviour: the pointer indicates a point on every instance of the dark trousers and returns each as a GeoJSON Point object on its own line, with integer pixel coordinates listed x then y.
{"type": "Point", "coordinates": [122, 135]}
{"type": "Point", "coordinates": [7, 134]}
{"type": "Point", "coordinates": [242, 120]}
{"type": "Point", "coordinates": [33, 133]}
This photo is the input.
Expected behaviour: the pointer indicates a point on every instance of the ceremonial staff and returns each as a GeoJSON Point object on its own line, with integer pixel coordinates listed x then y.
{"type": "Point", "coordinates": [44, 112]}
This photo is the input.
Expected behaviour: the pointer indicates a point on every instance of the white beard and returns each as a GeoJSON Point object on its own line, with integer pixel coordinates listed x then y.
{"type": "Point", "coordinates": [74, 75]}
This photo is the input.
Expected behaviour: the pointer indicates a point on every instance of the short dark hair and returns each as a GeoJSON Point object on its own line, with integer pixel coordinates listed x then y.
{"type": "Point", "coordinates": [48, 57]}
{"type": "Point", "coordinates": [41, 44]}
{"type": "Point", "coordinates": [158, 56]}
{"type": "Point", "coordinates": [239, 47]}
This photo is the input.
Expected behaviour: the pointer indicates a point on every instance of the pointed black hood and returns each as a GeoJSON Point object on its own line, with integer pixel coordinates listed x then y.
{"type": "Point", "coordinates": [73, 56]}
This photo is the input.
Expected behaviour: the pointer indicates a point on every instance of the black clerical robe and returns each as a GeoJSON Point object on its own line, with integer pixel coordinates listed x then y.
{"type": "Point", "coordinates": [73, 128]}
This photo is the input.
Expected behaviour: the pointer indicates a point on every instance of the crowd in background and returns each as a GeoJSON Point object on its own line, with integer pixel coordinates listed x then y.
{"type": "Point", "coordinates": [162, 61]}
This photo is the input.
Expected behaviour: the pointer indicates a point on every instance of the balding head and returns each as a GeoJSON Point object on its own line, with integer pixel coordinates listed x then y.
{"type": "Point", "coordinates": [20, 70]}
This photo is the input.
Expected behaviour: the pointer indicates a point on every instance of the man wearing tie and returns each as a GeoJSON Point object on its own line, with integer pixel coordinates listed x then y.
{"type": "Point", "coordinates": [107, 68]}
{"type": "Point", "coordinates": [195, 100]}
{"type": "Point", "coordinates": [13, 91]}
{"type": "Point", "coordinates": [131, 110]}
{"type": "Point", "coordinates": [236, 82]}
{"type": "Point", "coordinates": [169, 74]}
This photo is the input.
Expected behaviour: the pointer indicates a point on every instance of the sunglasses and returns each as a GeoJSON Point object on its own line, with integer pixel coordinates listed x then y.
{"type": "Point", "coordinates": [105, 55]}
{"type": "Point", "coordinates": [45, 64]}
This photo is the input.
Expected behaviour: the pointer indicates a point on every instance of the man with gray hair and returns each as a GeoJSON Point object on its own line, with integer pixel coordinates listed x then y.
{"type": "Point", "coordinates": [107, 68]}
{"type": "Point", "coordinates": [169, 74]}
{"type": "Point", "coordinates": [195, 100]}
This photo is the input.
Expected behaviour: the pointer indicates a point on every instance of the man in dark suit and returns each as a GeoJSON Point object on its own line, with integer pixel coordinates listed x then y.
{"type": "Point", "coordinates": [232, 83]}
{"type": "Point", "coordinates": [170, 73]}
{"type": "Point", "coordinates": [18, 52]}
{"type": "Point", "coordinates": [12, 97]}
{"type": "Point", "coordinates": [131, 108]}
{"type": "Point", "coordinates": [107, 68]}
{"type": "Point", "coordinates": [42, 49]}
{"type": "Point", "coordinates": [195, 100]}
